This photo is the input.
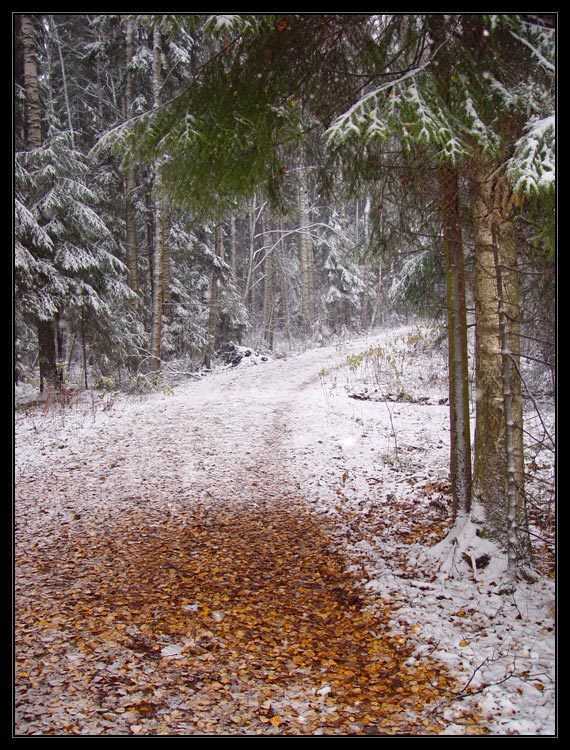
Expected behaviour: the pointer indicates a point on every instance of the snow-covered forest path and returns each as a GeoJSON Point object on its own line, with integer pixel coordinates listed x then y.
{"type": "Point", "coordinates": [173, 579]}
{"type": "Point", "coordinates": [178, 573]}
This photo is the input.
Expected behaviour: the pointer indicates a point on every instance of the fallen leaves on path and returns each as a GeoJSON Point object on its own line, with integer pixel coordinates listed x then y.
{"type": "Point", "coordinates": [226, 619]}
{"type": "Point", "coordinates": [177, 581]}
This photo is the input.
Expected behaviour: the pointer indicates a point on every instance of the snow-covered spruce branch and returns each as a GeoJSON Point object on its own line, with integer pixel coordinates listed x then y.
{"type": "Point", "coordinates": [546, 64]}
{"type": "Point", "coordinates": [350, 122]}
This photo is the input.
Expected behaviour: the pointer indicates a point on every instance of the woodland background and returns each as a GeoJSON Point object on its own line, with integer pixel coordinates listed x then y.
{"type": "Point", "coordinates": [185, 183]}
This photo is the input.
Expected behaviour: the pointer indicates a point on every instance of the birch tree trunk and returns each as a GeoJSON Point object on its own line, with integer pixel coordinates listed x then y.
{"type": "Point", "coordinates": [508, 286]}
{"type": "Point", "coordinates": [306, 260]}
{"type": "Point", "coordinates": [269, 265]}
{"type": "Point", "coordinates": [248, 293]}
{"type": "Point", "coordinates": [490, 464]}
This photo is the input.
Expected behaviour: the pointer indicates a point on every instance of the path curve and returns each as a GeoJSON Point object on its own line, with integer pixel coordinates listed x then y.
{"type": "Point", "coordinates": [172, 579]}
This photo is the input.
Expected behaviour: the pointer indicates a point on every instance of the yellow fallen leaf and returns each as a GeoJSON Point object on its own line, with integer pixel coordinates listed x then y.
{"type": "Point", "coordinates": [275, 720]}
{"type": "Point", "coordinates": [463, 643]}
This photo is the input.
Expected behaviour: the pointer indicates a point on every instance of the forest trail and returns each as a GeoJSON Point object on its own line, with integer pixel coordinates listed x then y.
{"type": "Point", "coordinates": [172, 579]}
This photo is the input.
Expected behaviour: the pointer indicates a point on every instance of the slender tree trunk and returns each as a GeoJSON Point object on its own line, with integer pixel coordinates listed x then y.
{"type": "Point", "coordinates": [130, 173]}
{"type": "Point", "coordinates": [233, 248]}
{"type": "Point", "coordinates": [458, 366]}
{"type": "Point", "coordinates": [47, 355]}
{"type": "Point", "coordinates": [157, 255]}
{"type": "Point", "coordinates": [248, 293]}
{"type": "Point", "coordinates": [365, 269]}
{"type": "Point", "coordinates": [282, 281]}
{"type": "Point", "coordinates": [166, 296]}
{"type": "Point", "coordinates": [508, 286]}
{"type": "Point", "coordinates": [490, 464]}
{"type": "Point", "coordinates": [306, 260]}
{"type": "Point", "coordinates": [269, 265]}
{"type": "Point", "coordinates": [214, 312]}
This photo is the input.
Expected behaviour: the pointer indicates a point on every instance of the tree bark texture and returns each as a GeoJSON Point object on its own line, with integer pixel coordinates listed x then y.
{"type": "Point", "coordinates": [508, 284]}
{"type": "Point", "coordinates": [31, 85]}
{"type": "Point", "coordinates": [490, 464]}
{"type": "Point", "coordinates": [458, 363]}
{"type": "Point", "coordinates": [47, 355]}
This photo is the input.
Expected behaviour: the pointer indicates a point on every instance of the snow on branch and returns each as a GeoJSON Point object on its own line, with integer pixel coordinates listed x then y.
{"type": "Point", "coordinates": [220, 25]}
{"type": "Point", "coordinates": [532, 167]}
{"type": "Point", "coordinates": [362, 118]}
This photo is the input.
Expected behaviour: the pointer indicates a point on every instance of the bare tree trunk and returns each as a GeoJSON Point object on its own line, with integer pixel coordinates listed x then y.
{"type": "Point", "coordinates": [157, 256]}
{"type": "Point", "coordinates": [508, 286]}
{"type": "Point", "coordinates": [458, 362]}
{"type": "Point", "coordinates": [282, 280]}
{"type": "Point", "coordinates": [248, 294]}
{"type": "Point", "coordinates": [490, 464]}
{"type": "Point", "coordinates": [458, 365]}
{"type": "Point", "coordinates": [47, 355]}
{"type": "Point", "coordinates": [269, 266]}
{"type": "Point", "coordinates": [130, 173]}
{"type": "Point", "coordinates": [306, 260]}
{"type": "Point", "coordinates": [233, 248]}
{"type": "Point", "coordinates": [214, 312]}
{"type": "Point", "coordinates": [31, 85]}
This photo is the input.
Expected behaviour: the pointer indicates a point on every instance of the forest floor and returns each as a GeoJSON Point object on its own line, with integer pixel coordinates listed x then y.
{"type": "Point", "coordinates": [242, 555]}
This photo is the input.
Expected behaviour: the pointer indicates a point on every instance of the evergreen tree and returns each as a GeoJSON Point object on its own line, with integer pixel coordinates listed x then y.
{"type": "Point", "coordinates": [65, 267]}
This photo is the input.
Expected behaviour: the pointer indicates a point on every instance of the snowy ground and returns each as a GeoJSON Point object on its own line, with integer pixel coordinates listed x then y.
{"type": "Point", "coordinates": [365, 441]}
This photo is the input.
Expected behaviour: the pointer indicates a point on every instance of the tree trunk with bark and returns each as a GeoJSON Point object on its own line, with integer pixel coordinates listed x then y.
{"type": "Point", "coordinates": [306, 260]}
{"type": "Point", "coordinates": [45, 328]}
{"type": "Point", "coordinates": [458, 363]}
{"type": "Point", "coordinates": [508, 287]}
{"type": "Point", "coordinates": [214, 311]}
{"type": "Point", "coordinates": [490, 462]}
{"type": "Point", "coordinates": [269, 266]}
{"type": "Point", "coordinates": [130, 173]}
{"type": "Point", "coordinates": [158, 245]}
{"type": "Point", "coordinates": [31, 85]}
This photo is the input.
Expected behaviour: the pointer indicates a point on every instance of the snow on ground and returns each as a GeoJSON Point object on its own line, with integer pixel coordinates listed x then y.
{"type": "Point", "coordinates": [366, 439]}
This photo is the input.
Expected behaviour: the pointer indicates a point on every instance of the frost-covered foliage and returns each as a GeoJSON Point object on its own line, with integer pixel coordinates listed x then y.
{"type": "Point", "coordinates": [462, 109]}
{"type": "Point", "coordinates": [408, 109]}
{"type": "Point", "coordinates": [194, 260]}
{"type": "Point", "coordinates": [345, 284]}
{"type": "Point", "coordinates": [532, 168]}
{"type": "Point", "coordinates": [221, 25]}
{"type": "Point", "coordinates": [62, 245]}
{"type": "Point", "coordinates": [64, 261]}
